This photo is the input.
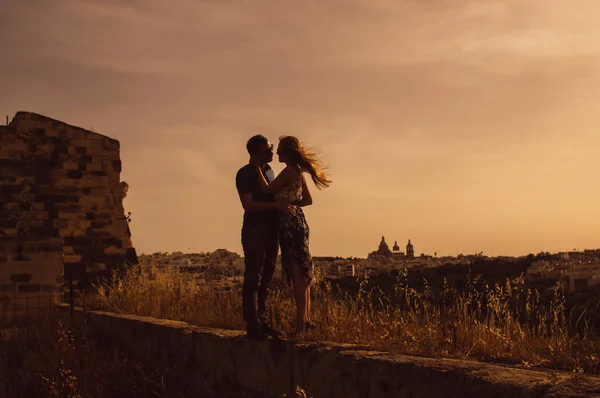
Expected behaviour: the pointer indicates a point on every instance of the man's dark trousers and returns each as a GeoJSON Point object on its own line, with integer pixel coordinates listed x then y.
{"type": "Point", "coordinates": [260, 244]}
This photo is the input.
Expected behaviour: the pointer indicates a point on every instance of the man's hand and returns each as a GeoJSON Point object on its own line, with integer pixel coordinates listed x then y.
{"type": "Point", "coordinates": [285, 208]}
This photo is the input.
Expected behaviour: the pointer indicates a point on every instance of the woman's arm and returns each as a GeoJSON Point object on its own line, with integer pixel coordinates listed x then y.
{"type": "Point", "coordinates": [306, 196]}
{"type": "Point", "coordinates": [286, 175]}
{"type": "Point", "coordinates": [251, 206]}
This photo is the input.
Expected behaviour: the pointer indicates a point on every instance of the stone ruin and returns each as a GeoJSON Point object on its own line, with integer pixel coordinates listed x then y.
{"type": "Point", "coordinates": [61, 211]}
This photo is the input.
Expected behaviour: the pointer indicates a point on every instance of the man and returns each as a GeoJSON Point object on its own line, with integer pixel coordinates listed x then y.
{"type": "Point", "coordinates": [259, 237]}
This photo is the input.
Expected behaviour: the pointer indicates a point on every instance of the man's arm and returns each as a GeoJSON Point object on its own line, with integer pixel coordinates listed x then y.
{"type": "Point", "coordinates": [244, 181]}
{"type": "Point", "coordinates": [252, 206]}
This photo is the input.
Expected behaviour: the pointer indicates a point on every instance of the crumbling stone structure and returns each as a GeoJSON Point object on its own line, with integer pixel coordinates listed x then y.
{"type": "Point", "coordinates": [61, 206]}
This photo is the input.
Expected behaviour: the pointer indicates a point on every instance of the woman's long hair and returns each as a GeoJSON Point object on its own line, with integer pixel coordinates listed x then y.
{"type": "Point", "coordinates": [307, 160]}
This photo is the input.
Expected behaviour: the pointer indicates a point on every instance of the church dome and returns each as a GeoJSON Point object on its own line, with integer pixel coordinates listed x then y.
{"type": "Point", "coordinates": [383, 245]}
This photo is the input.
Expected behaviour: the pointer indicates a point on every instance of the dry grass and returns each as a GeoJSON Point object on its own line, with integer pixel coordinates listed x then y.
{"type": "Point", "coordinates": [502, 323]}
{"type": "Point", "coordinates": [49, 359]}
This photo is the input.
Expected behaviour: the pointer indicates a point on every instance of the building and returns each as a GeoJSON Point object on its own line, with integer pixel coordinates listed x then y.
{"type": "Point", "coordinates": [396, 253]}
{"type": "Point", "coordinates": [410, 251]}
{"type": "Point", "coordinates": [384, 254]}
{"type": "Point", "coordinates": [334, 268]}
{"type": "Point", "coordinates": [347, 269]}
{"type": "Point", "coordinates": [582, 277]}
{"type": "Point", "coordinates": [543, 269]}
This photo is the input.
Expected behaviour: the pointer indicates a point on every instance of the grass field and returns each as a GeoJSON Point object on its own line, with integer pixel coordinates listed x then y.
{"type": "Point", "coordinates": [506, 324]}
{"type": "Point", "coordinates": [502, 323]}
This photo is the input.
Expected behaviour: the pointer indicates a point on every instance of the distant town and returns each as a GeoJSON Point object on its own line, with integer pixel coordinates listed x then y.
{"type": "Point", "coordinates": [575, 271]}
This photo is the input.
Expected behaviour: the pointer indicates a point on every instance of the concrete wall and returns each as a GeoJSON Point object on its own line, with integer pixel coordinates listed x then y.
{"type": "Point", "coordinates": [323, 370]}
{"type": "Point", "coordinates": [61, 181]}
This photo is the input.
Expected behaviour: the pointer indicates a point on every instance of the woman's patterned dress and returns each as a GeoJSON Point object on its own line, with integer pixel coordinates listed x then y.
{"type": "Point", "coordinates": [294, 232]}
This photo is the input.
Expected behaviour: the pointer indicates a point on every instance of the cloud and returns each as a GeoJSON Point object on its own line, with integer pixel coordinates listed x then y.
{"type": "Point", "coordinates": [405, 99]}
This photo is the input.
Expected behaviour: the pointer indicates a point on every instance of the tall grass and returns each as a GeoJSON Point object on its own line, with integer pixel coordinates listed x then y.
{"type": "Point", "coordinates": [502, 323]}
{"type": "Point", "coordinates": [48, 358]}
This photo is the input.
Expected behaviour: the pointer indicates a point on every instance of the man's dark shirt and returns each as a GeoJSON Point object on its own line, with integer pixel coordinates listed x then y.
{"type": "Point", "coordinates": [246, 180]}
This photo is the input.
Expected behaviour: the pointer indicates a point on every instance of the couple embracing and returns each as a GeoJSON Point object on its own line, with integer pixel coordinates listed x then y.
{"type": "Point", "coordinates": [273, 217]}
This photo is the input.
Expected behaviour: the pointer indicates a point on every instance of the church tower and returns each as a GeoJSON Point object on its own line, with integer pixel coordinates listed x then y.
{"type": "Point", "coordinates": [384, 249]}
{"type": "Point", "coordinates": [410, 251]}
{"type": "Point", "coordinates": [396, 247]}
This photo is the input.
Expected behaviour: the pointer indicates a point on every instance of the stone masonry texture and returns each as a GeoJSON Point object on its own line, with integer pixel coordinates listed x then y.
{"type": "Point", "coordinates": [61, 207]}
{"type": "Point", "coordinates": [320, 369]}
{"type": "Point", "coordinates": [31, 275]}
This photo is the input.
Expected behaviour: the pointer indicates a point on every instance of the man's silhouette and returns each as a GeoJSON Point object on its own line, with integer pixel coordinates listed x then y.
{"type": "Point", "coordinates": [259, 237]}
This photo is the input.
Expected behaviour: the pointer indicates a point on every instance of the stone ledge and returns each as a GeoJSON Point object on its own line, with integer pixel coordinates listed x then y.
{"type": "Point", "coordinates": [328, 370]}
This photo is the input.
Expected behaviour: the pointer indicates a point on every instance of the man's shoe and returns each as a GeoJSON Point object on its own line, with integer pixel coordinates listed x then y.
{"type": "Point", "coordinates": [270, 331]}
{"type": "Point", "coordinates": [256, 333]}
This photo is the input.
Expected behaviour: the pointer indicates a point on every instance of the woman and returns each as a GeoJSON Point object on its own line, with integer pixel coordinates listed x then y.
{"type": "Point", "coordinates": [290, 187]}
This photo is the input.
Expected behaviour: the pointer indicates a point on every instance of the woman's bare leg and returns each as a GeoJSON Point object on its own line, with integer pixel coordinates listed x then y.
{"type": "Point", "coordinates": [300, 297]}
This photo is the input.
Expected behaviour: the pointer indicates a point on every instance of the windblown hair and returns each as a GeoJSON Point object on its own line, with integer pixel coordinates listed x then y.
{"type": "Point", "coordinates": [307, 160]}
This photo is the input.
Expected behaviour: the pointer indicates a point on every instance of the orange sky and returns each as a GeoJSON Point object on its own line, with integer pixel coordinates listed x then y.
{"type": "Point", "coordinates": [463, 125]}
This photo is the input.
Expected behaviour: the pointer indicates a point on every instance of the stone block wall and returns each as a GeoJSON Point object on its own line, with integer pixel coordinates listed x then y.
{"type": "Point", "coordinates": [61, 181]}
{"type": "Point", "coordinates": [31, 277]}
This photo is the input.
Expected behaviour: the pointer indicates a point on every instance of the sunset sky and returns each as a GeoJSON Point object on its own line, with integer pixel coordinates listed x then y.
{"type": "Point", "coordinates": [464, 125]}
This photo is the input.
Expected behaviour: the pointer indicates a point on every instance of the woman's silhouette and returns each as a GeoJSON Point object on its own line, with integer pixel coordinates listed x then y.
{"type": "Point", "coordinates": [290, 187]}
